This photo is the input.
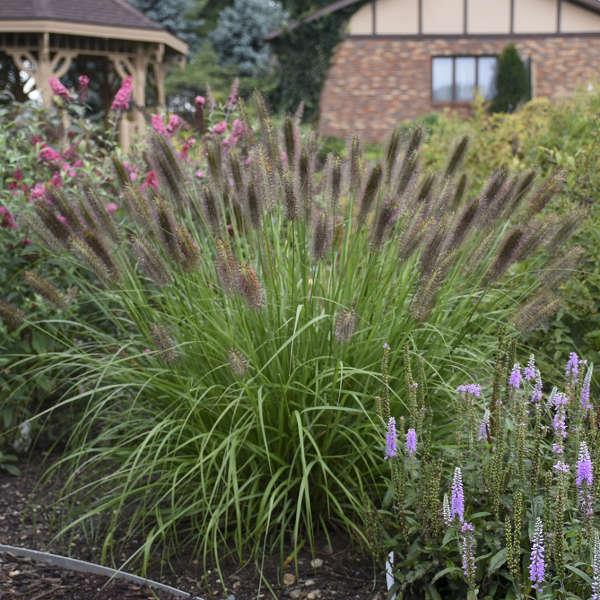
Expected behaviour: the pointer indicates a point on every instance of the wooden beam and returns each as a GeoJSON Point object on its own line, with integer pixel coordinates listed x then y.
{"type": "Point", "coordinates": [512, 16]}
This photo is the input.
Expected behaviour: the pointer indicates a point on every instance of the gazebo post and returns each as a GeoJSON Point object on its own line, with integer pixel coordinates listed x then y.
{"type": "Point", "coordinates": [159, 74]}
{"type": "Point", "coordinates": [139, 86]}
{"type": "Point", "coordinates": [43, 70]}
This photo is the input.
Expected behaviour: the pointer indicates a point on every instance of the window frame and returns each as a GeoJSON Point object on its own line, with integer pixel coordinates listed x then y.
{"type": "Point", "coordinates": [453, 101]}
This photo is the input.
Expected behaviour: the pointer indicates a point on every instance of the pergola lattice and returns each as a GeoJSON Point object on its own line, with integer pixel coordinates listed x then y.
{"type": "Point", "coordinates": [43, 37]}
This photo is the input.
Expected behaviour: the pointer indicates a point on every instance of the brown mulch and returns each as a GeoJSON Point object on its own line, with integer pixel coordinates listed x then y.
{"type": "Point", "coordinates": [28, 520]}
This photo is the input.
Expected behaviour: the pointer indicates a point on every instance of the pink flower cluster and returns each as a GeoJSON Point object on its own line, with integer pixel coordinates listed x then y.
{"type": "Point", "coordinates": [123, 95]}
{"type": "Point", "coordinates": [58, 89]}
{"type": "Point", "coordinates": [174, 124]}
{"type": "Point", "coordinates": [7, 219]}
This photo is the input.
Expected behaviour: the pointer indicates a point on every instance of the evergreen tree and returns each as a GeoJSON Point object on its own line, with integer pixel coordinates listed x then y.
{"type": "Point", "coordinates": [239, 37]}
{"type": "Point", "coordinates": [512, 81]}
{"type": "Point", "coordinates": [180, 17]}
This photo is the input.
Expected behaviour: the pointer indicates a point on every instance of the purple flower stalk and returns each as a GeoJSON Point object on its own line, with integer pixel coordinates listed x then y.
{"type": "Point", "coordinates": [391, 439]}
{"type": "Point", "coordinates": [585, 389]}
{"type": "Point", "coordinates": [470, 389]}
{"type": "Point", "coordinates": [572, 368]}
{"type": "Point", "coordinates": [411, 442]}
{"type": "Point", "coordinates": [536, 395]}
{"type": "Point", "coordinates": [559, 399]}
{"type": "Point", "coordinates": [561, 467]}
{"type": "Point", "coordinates": [457, 502]}
{"type": "Point", "coordinates": [537, 567]}
{"type": "Point", "coordinates": [468, 550]}
{"type": "Point", "coordinates": [530, 372]}
{"type": "Point", "coordinates": [514, 381]}
{"type": "Point", "coordinates": [585, 469]}
{"type": "Point", "coordinates": [596, 567]}
{"type": "Point", "coordinates": [559, 423]}
{"type": "Point", "coordinates": [557, 449]}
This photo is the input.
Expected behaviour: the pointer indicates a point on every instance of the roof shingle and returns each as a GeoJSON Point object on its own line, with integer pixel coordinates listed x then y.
{"type": "Point", "coordinates": [114, 13]}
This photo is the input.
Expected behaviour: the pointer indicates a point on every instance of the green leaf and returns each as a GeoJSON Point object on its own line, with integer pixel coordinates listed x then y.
{"type": "Point", "coordinates": [498, 560]}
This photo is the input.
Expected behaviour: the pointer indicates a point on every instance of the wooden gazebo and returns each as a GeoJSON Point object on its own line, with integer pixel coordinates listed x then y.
{"type": "Point", "coordinates": [44, 37]}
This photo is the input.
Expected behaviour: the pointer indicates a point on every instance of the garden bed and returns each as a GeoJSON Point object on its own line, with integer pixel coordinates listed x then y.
{"type": "Point", "coordinates": [27, 520]}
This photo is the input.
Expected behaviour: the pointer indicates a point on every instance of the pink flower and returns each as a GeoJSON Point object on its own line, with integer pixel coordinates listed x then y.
{"type": "Point", "coordinates": [38, 192]}
{"type": "Point", "coordinates": [6, 218]}
{"type": "Point", "coordinates": [131, 171]}
{"type": "Point", "coordinates": [84, 84]}
{"type": "Point", "coordinates": [69, 169]}
{"type": "Point", "coordinates": [219, 128]}
{"type": "Point", "coordinates": [123, 95]}
{"type": "Point", "coordinates": [158, 124]}
{"type": "Point", "coordinates": [16, 178]}
{"type": "Point", "coordinates": [70, 153]}
{"type": "Point", "coordinates": [199, 174]}
{"type": "Point", "coordinates": [200, 101]}
{"type": "Point", "coordinates": [62, 219]}
{"type": "Point", "coordinates": [112, 208]}
{"type": "Point", "coordinates": [58, 89]}
{"type": "Point", "coordinates": [78, 163]}
{"type": "Point", "coordinates": [174, 124]}
{"type": "Point", "coordinates": [151, 181]}
{"type": "Point", "coordinates": [237, 131]}
{"type": "Point", "coordinates": [56, 180]}
{"type": "Point", "coordinates": [185, 149]}
{"type": "Point", "coordinates": [49, 154]}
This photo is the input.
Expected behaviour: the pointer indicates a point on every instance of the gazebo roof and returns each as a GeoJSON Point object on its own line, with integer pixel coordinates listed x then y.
{"type": "Point", "coordinates": [93, 18]}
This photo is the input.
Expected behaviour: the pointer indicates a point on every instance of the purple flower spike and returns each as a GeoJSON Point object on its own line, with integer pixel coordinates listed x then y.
{"type": "Point", "coordinates": [559, 424]}
{"type": "Point", "coordinates": [537, 567]}
{"type": "Point", "coordinates": [557, 449]}
{"type": "Point", "coordinates": [457, 502]}
{"type": "Point", "coordinates": [514, 381]}
{"type": "Point", "coordinates": [536, 395]}
{"type": "Point", "coordinates": [585, 469]}
{"type": "Point", "coordinates": [484, 428]}
{"type": "Point", "coordinates": [470, 389]}
{"type": "Point", "coordinates": [572, 369]}
{"type": "Point", "coordinates": [561, 467]}
{"type": "Point", "coordinates": [530, 372]}
{"type": "Point", "coordinates": [585, 389]}
{"type": "Point", "coordinates": [468, 550]}
{"type": "Point", "coordinates": [391, 439]}
{"type": "Point", "coordinates": [411, 442]}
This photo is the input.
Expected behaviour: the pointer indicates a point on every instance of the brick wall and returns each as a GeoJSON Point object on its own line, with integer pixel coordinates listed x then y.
{"type": "Point", "coordinates": [374, 83]}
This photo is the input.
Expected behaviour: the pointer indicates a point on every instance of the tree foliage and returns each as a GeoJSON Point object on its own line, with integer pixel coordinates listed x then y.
{"type": "Point", "coordinates": [304, 55]}
{"type": "Point", "coordinates": [180, 17]}
{"type": "Point", "coordinates": [512, 81]}
{"type": "Point", "coordinates": [239, 37]}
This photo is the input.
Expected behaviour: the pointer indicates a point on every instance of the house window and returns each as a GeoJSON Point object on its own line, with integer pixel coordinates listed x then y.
{"type": "Point", "coordinates": [458, 78]}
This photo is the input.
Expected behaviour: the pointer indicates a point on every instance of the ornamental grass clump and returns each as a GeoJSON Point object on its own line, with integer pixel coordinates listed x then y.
{"type": "Point", "coordinates": [231, 362]}
{"type": "Point", "coordinates": [514, 514]}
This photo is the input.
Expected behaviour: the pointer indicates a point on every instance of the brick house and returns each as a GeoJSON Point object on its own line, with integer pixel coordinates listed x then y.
{"type": "Point", "coordinates": [405, 58]}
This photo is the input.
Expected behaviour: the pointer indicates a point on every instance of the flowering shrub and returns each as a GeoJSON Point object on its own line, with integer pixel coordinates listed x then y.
{"type": "Point", "coordinates": [510, 508]}
{"type": "Point", "coordinates": [43, 164]}
{"type": "Point", "coordinates": [242, 312]}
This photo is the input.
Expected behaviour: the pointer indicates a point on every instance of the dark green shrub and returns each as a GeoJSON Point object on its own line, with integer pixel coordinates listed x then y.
{"type": "Point", "coordinates": [512, 81]}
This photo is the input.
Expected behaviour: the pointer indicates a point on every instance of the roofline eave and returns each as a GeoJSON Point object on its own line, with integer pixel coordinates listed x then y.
{"type": "Point", "coordinates": [157, 36]}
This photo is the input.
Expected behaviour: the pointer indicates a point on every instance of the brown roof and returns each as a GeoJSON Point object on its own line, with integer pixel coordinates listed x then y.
{"type": "Point", "coordinates": [113, 13]}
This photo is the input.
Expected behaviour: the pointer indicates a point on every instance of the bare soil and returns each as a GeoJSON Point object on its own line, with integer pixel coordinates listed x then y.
{"type": "Point", "coordinates": [29, 519]}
